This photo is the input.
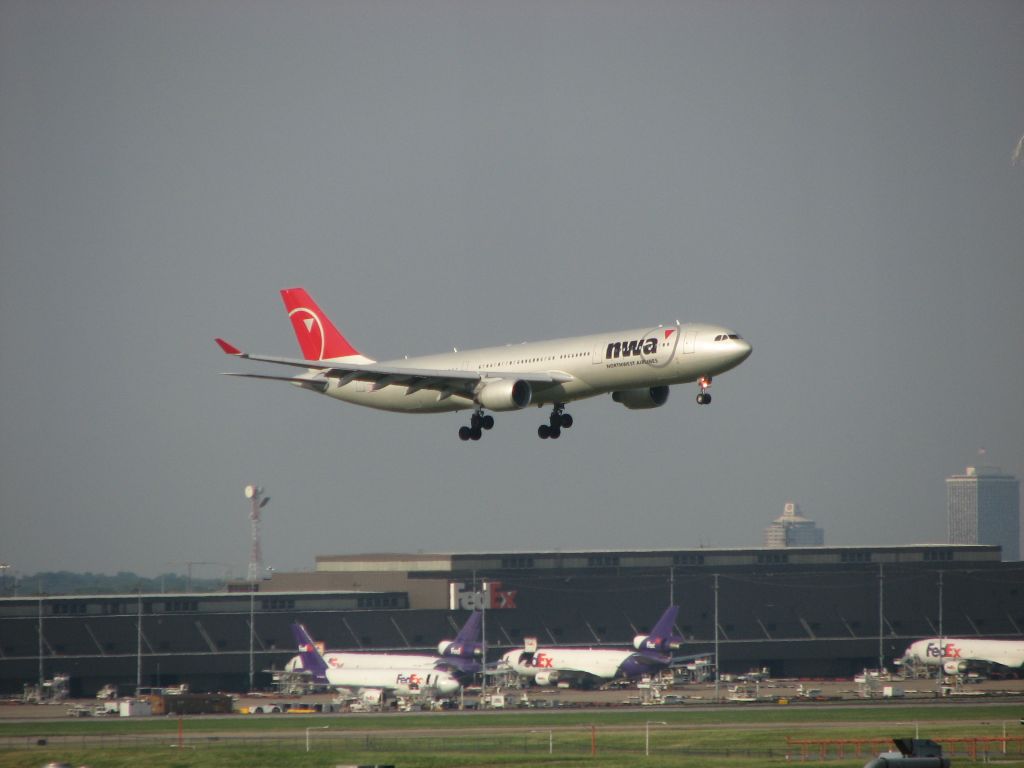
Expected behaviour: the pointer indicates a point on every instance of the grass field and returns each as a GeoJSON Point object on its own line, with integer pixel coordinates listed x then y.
{"type": "Point", "coordinates": [738, 738]}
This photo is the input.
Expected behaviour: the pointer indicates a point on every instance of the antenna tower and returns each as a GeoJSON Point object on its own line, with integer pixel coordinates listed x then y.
{"type": "Point", "coordinates": [257, 501]}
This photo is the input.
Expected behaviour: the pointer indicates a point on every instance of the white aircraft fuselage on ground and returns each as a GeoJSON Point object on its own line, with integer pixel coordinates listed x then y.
{"type": "Point", "coordinates": [551, 665]}
{"type": "Point", "coordinates": [406, 680]}
{"type": "Point", "coordinates": [397, 682]}
{"type": "Point", "coordinates": [460, 656]}
{"type": "Point", "coordinates": [650, 653]}
{"type": "Point", "coordinates": [951, 652]}
{"type": "Point", "coordinates": [636, 366]}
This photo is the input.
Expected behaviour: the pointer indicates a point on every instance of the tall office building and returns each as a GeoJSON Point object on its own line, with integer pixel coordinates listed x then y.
{"type": "Point", "coordinates": [983, 507]}
{"type": "Point", "coordinates": [793, 530]}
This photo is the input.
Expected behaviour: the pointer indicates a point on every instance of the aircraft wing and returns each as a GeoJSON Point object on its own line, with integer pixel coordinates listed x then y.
{"type": "Point", "coordinates": [681, 661]}
{"type": "Point", "coordinates": [447, 382]}
{"type": "Point", "coordinates": [581, 676]}
{"type": "Point", "coordinates": [315, 384]}
{"type": "Point", "coordinates": [458, 667]}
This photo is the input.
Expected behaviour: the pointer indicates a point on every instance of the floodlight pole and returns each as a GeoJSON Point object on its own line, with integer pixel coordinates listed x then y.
{"type": "Point", "coordinates": [252, 632]}
{"type": "Point", "coordinates": [942, 642]}
{"type": "Point", "coordinates": [485, 592]}
{"type": "Point", "coordinates": [718, 673]}
{"type": "Point", "coordinates": [881, 615]}
{"type": "Point", "coordinates": [138, 645]}
{"type": "Point", "coordinates": [40, 643]}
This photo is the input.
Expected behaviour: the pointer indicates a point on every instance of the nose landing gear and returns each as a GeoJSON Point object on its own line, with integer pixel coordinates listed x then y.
{"type": "Point", "coordinates": [704, 398]}
{"type": "Point", "coordinates": [558, 421]}
{"type": "Point", "coordinates": [477, 423]}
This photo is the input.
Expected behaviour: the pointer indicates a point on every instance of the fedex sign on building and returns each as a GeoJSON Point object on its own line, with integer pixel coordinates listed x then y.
{"type": "Point", "coordinates": [464, 598]}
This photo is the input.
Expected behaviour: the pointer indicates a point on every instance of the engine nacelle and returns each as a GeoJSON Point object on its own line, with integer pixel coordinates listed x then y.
{"type": "Point", "coordinates": [546, 678]}
{"type": "Point", "coordinates": [639, 399]}
{"type": "Point", "coordinates": [505, 395]}
{"type": "Point", "coordinates": [450, 648]}
{"type": "Point", "coordinates": [954, 667]}
{"type": "Point", "coordinates": [659, 644]}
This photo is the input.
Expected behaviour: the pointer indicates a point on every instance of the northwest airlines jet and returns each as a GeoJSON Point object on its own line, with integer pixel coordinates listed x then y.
{"type": "Point", "coordinates": [636, 367]}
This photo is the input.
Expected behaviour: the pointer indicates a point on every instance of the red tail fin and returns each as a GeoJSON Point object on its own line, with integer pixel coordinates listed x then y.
{"type": "Point", "coordinates": [317, 336]}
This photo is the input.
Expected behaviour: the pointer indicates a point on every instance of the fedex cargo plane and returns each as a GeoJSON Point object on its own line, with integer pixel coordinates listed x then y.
{"type": "Point", "coordinates": [956, 654]}
{"type": "Point", "coordinates": [586, 666]}
{"type": "Point", "coordinates": [411, 680]}
{"type": "Point", "coordinates": [460, 657]}
{"type": "Point", "coordinates": [636, 367]}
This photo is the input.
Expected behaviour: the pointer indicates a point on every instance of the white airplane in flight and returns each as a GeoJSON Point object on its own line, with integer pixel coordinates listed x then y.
{"type": "Point", "coordinates": [411, 681]}
{"type": "Point", "coordinates": [636, 367]}
{"type": "Point", "coordinates": [586, 666]}
{"type": "Point", "coordinates": [956, 654]}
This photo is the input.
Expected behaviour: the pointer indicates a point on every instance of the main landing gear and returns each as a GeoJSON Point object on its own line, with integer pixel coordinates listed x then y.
{"type": "Point", "coordinates": [704, 398]}
{"type": "Point", "coordinates": [479, 422]}
{"type": "Point", "coordinates": [558, 421]}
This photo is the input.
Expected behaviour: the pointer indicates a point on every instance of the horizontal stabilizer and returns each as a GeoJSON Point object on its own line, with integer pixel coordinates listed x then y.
{"type": "Point", "coordinates": [312, 384]}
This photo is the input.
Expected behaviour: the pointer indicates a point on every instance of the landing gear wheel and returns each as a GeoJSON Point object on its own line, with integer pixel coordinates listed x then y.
{"type": "Point", "coordinates": [478, 422]}
{"type": "Point", "coordinates": [703, 398]}
{"type": "Point", "coordinates": [557, 421]}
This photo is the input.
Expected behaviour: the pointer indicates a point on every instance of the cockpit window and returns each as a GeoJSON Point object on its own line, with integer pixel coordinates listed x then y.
{"type": "Point", "coordinates": [734, 335]}
{"type": "Point", "coordinates": [727, 336]}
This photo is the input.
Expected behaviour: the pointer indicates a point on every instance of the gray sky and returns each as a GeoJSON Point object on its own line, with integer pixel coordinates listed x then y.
{"type": "Point", "coordinates": [832, 180]}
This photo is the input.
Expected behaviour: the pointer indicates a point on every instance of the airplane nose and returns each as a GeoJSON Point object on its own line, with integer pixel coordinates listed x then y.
{"type": "Point", "coordinates": [448, 685]}
{"type": "Point", "coordinates": [743, 349]}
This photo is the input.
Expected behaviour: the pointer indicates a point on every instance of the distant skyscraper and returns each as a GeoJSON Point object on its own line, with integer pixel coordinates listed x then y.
{"type": "Point", "coordinates": [793, 530]}
{"type": "Point", "coordinates": [983, 507]}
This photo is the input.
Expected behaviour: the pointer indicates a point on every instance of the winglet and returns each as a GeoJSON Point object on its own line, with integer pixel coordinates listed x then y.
{"type": "Point", "coordinates": [228, 348]}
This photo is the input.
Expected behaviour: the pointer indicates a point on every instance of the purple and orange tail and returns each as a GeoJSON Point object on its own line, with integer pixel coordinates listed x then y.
{"type": "Point", "coordinates": [312, 661]}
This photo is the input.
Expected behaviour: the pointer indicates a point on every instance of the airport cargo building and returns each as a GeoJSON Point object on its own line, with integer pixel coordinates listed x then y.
{"type": "Point", "coordinates": [799, 611]}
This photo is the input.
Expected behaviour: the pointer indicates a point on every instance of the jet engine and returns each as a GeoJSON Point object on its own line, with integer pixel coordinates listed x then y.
{"type": "Point", "coordinates": [450, 648]}
{"type": "Point", "coordinates": [639, 399]}
{"type": "Point", "coordinates": [954, 667]}
{"type": "Point", "coordinates": [662, 644]}
{"type": "Point", "coordinates": [546, 678]}
{"type": "Point", "coordinates": [505, 395]}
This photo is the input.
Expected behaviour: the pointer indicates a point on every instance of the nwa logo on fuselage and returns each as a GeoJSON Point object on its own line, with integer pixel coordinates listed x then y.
{"type": "Point", "coordinates": [631, 348]}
